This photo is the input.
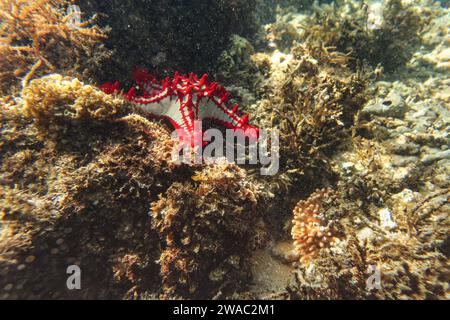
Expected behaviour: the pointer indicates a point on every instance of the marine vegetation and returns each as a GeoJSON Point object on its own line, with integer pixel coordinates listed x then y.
{"type": "Point", "coordinates": [358, 93]}
{"type": "Point", "coordinates": [73, 195]}
{"type": "Point", "coordinates": [409, 265]}
{"type": "Point", "coordinates": [374, 33]}
{"type": "Point", "coordinates": [84, 197]}
{"type": "Point", "coordinates": [206, 226]}
{"type": "Point", "coordinates": [36, 38]}
{"type": "Point", "coordinates": [314, 105]}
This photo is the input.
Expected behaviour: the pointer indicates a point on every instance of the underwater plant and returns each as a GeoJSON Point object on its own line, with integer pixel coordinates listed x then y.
{"type": "Point", "coordinates": [313, 105]}
{"type": "Point", "coordinates": [375, 34]}
{"type": "Point", "coordinates": [36, 38]}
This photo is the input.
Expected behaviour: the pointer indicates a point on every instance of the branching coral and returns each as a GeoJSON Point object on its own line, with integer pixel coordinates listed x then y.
{"type": "Point", "coordinates": [206, 227]}
{"type": "Point", "coordinates": [35, 37]}
{"type": "Point", "coordinates": [309, 230]}
{"type": "Point", "coordinates": [407, 265]}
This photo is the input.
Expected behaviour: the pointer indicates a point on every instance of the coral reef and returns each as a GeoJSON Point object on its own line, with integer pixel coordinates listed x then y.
{"type": "Point", "coordinates": [308, 230]}
{"type": "Point", "coordinates": [78, 180]}
{"type": "Point", "coordinates": [408, 266]}
{"type": "Point", "coordinates": [206, 226]}
{"type": "Point", "coordinates": [358, 210]}
{"type": "Point", "coordinates": [80, 196]}
{"type": "Point", "coordinates": [36, 38]}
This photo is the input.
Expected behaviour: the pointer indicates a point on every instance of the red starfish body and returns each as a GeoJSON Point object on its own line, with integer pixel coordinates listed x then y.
{"type": "Point", "coordinates": [184, 99]}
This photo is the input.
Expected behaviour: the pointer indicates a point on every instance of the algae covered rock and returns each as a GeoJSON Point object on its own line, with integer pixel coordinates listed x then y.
{"type": "Point", "coordinates": [206, 226]}
{"type": "Point", "coordinates": [392, 105]}
{"type": "Point", "coordinates": [76, 189]}
{"type": "Point", "coordinates": [371, 33]}
{"type": "Point", "coordinates": [80, 183]}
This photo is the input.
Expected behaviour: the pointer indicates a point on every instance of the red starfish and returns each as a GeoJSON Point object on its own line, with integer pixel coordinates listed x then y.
{"type": "Point", "coordinates": [184, 99]}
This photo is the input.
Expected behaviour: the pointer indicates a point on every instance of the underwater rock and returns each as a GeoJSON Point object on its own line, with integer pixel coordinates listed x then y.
{"type": "Point", "coordinates": [77, 181]}
{"type": "Point", "coordinates": [435, 156]}
{"type": "Point", "coordinates": [386, 219]}
{"type": "Point", "coordinates": [390, 106]}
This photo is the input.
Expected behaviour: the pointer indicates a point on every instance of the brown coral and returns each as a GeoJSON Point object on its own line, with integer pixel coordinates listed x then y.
{"type": "Point", "coordinates": [309, 231]}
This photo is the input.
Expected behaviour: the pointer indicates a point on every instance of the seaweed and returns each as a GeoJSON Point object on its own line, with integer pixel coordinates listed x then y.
{"type": "Point", "coordinates": [36, 38]}
{"type": "Point", "coordinates": [206, 226]}
{"type": "Point", "coordinates": [369, 34]}
{"type": "Point", "coordinates": [314, 106]}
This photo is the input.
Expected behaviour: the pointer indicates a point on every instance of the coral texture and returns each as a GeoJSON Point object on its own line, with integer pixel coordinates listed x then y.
{"type": "Point", "coordinates": [309, 230]}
